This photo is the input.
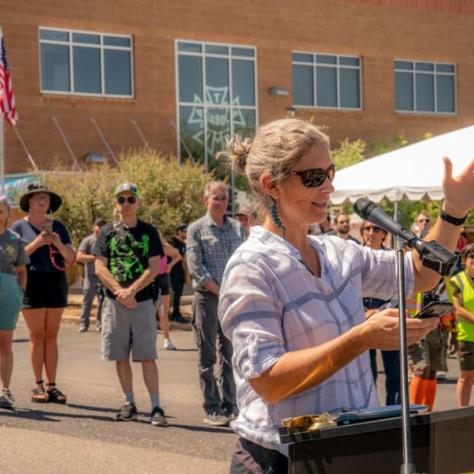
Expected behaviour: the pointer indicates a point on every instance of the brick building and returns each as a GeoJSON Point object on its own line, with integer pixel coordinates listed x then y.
{"type": "Point", "coordinates": [105, 76]}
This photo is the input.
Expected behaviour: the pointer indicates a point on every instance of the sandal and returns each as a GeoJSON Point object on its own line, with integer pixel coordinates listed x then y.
{"type": "Point", "coordinates": [38, 393]}
{"type": "Point", "coordinates": [55, 395]}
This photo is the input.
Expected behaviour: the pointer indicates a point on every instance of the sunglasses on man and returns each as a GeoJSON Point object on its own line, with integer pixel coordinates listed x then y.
{"type": "Point", "coordinates": [470, 255]}
{"type": "Point", "coordinates": [424, 220]}
{"type": "Point", "coordinates": [129, 199]}
{"type": "Point", "coordinates": [315, 177]}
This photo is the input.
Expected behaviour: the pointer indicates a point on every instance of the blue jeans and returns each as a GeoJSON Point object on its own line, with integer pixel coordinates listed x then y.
{"type": "Point", "coordinates": [391, 365]}
{"type": "Point", "coordinates": [91, 290]}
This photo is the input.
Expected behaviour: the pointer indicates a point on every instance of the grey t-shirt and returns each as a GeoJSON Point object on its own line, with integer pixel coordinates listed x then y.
{"type": "Point", "coordinates": [86, 247]}
{"type": "Point", "coordinates": [12, 252]}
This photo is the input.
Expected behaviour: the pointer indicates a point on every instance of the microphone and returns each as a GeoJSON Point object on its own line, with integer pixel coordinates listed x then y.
{"type": "Point", "coordinates": [433, 254]}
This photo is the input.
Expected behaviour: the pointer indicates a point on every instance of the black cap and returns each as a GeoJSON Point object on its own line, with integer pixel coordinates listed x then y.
{"type": "Point", "coordinates": [100, 222]}
{"type": "Point", "coordinates": [181, 227]}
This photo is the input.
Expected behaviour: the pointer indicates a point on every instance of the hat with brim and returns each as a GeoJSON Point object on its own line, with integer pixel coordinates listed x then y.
{"type": "Point", "coordinates": [55, 200]}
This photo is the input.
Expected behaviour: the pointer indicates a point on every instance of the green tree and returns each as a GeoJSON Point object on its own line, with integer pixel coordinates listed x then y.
{"type": "Point", "coordinates": [348, 153]}
{"type": "Point", "coordinates": [171, 193]}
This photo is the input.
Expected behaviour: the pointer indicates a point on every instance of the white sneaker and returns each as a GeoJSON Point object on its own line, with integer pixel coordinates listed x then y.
{"type": "Point", "coordinates": [168, 345]}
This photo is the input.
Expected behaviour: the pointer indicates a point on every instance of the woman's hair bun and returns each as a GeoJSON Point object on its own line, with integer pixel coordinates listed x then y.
{"type": "Point", "coordinates": [237, 152]}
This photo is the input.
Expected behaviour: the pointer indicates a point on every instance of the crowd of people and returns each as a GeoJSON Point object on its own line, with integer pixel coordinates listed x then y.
{"type": "Point", "coordinates": [293, 319]}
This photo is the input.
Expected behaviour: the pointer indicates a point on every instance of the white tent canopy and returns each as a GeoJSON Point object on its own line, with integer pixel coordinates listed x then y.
{"type": "Point", "coordinates": [414, 171]}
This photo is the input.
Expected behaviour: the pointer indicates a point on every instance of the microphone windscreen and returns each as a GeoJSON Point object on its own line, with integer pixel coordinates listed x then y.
{"type": "Point", "coordinates": [363, 206]}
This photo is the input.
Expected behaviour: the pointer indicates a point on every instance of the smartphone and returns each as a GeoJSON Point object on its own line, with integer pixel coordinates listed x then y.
{"type": "Point", "coordinates": [435, 309]}
{"type": "Point", "coordinates": [48, 227]}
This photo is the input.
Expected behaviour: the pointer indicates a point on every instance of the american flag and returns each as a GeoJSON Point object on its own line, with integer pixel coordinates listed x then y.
{"type": "Point", "coordinates": [7, 98]}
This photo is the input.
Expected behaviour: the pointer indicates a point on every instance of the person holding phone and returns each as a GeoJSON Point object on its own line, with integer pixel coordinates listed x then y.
{"type": "Point", "coordinates": [49, 247]}
{"type": "Point", "coordinates": [463, 300]}
{"type": "Point", "coordinates": [291, 303]}
{"type": "Point", "coordinates": [374, 237]}
{"type": "Point", "coordinates": [13, 259]}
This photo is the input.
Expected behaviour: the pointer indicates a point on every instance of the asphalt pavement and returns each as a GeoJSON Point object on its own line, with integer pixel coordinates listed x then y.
{"type": "Point", "coordinates": [82, 436]}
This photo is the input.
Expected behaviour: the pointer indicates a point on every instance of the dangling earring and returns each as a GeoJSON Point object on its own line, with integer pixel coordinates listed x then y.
{"type": "Point", "coordinates": [275, 217]}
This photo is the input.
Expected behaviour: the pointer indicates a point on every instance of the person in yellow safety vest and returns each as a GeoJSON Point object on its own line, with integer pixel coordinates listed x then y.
{"type": "Point", "coordinates": [463, 300]}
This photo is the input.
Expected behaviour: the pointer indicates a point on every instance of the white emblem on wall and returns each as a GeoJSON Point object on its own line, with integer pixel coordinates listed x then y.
{"type": "Point", "coordinates": [218, 120]}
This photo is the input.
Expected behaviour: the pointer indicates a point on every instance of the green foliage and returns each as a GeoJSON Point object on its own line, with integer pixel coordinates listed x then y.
{"type": "Point", "coordinates": [171, 193]}
{"type": "Point", "coordinates": [348, 153]}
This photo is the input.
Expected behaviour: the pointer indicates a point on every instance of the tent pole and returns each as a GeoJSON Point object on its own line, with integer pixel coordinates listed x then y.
{"type": "Point", "coordinates": [395, 210]}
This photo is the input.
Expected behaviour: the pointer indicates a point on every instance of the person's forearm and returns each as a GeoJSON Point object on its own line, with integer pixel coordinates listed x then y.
{"type": "Point", "coordinates": [465, 315]}
{"type": "Point", "coordinates": [297, 371]}
{"type": "Point", "coordinates": [145, 279]}
{"type": "Point", "coordinates": [85, 258]}
{"type": "Point", "coordinates": [32, 247]}
{"type": "Point", "coordinates": [211, 286]}
{"type": "Point", "coordinates": [67, 253]}
{"type": "Point", "coordinates": [447, 235]}
{"type": "Point", "coordinates": [107, 279]}
{"type": "Point", "coordinates": [21, 278]}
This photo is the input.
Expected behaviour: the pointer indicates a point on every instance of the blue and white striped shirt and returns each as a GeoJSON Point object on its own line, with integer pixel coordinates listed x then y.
{"type": "Point", "coordinates": [271, 304]}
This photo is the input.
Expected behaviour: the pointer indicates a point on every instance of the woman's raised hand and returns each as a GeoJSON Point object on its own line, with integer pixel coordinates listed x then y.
{"type": "Point", "coordinates": [459, 190]}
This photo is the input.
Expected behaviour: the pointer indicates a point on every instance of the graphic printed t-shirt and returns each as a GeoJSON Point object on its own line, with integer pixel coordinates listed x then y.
{"type": "Point", "coordinates": [40, 259]}
{"type": "Point", "coordinates": [12, 252]}
{"type": "Point", "coordinates": [127, 251]}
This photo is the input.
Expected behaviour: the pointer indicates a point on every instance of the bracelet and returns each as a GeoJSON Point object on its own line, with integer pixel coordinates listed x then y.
{"type": "Point", "coordinates": [452, 220]}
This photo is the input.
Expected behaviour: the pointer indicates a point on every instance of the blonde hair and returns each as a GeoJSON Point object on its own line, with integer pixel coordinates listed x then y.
{"type": "Point", "coordinates": [276, 149]}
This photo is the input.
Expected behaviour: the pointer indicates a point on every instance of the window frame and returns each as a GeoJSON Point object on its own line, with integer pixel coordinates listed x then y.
{"type": "Point", "coordinates": [205, 106]}
{"type": "Point", "coordinates": [434, 74]}
{"type": "Point", "coordinates": [101, 47]}
{"type": "Point", "coordinates": [337, 67]}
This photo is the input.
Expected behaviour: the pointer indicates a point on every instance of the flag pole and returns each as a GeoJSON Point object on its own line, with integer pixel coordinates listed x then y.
{"type": "Point", "coordinates": [2, 156]}
{"type": "Point", "coordinates": [2, 144]}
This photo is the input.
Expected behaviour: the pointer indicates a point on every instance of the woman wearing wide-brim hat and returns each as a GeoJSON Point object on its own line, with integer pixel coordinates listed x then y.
{"type": "Point", "coordinates": [49, 247]}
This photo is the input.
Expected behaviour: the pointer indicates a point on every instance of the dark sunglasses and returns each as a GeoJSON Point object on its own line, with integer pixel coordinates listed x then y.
{"type": "Point", "coordinates": [315, 177]}
{"type": "Point", "coordinates": [375, 228]}
{"type": "Point", "coordinates": [423, 220]}
{"type": "Point", "coordinates": [129, 199]}
{"type": "Point", "coordinates": [470, 255]}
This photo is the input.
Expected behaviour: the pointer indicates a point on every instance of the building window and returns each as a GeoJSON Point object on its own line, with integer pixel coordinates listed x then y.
{"type": "Point", "coordinates": [326, 81]}
{"type": "Point", "coordinates": [216, 97]}
{"type": "Point", "coordinates": [77, 62]}
{"type": "Point", "coordinates": [425, 87]}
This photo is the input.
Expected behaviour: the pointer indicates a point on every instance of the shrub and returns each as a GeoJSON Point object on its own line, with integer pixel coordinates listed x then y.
{"type": "Point", "coordinates": [171, 193]}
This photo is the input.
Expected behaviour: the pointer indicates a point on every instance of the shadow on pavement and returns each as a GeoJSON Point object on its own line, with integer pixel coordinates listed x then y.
{"type": "Point", "coordinates": [204, 429]}
{"type": "Point", "coordinates": [36, 415]}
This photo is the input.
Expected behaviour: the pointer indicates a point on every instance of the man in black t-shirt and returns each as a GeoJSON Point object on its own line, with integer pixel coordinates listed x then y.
{"type": "Point", "coordinates": [177, 273]}
{"type": "Point", "coordinates": [127, 261]}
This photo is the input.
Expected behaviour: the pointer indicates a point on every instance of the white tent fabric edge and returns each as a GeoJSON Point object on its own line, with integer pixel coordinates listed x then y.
{"type": "Point", "coordinates": [413, 172]}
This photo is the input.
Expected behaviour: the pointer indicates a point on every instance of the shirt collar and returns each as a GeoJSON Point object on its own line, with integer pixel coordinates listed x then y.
{"type": "Point", "coordinates": [274, 241]}
{"type": "Point", "coordinates": [210, 221]}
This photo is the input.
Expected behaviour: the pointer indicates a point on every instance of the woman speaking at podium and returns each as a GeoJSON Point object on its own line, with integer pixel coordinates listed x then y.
{"type": "Point", "coordinates": [291, 303]}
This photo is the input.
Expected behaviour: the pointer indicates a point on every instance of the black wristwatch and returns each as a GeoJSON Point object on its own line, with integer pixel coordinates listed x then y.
{"type": "Point", "coordinates": [452, 220]}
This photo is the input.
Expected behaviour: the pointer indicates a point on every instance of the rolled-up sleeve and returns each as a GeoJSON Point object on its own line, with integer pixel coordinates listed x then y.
{"type": "Point", "coordinates": [251, 317]}
{"type": "Point", "coordinates": [194, 257]}
{"type": "Point", "coordinates": [380, 275]}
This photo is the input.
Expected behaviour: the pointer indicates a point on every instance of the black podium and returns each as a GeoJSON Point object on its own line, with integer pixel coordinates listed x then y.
{"type": "Point", "coordinates": [443, 443]}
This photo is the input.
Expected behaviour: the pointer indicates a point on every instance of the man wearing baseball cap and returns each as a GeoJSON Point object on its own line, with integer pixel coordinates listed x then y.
{"type": "Point", "coordinates": [91, 282]}
{"type": "Point", "coordinates": [127, 261]}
